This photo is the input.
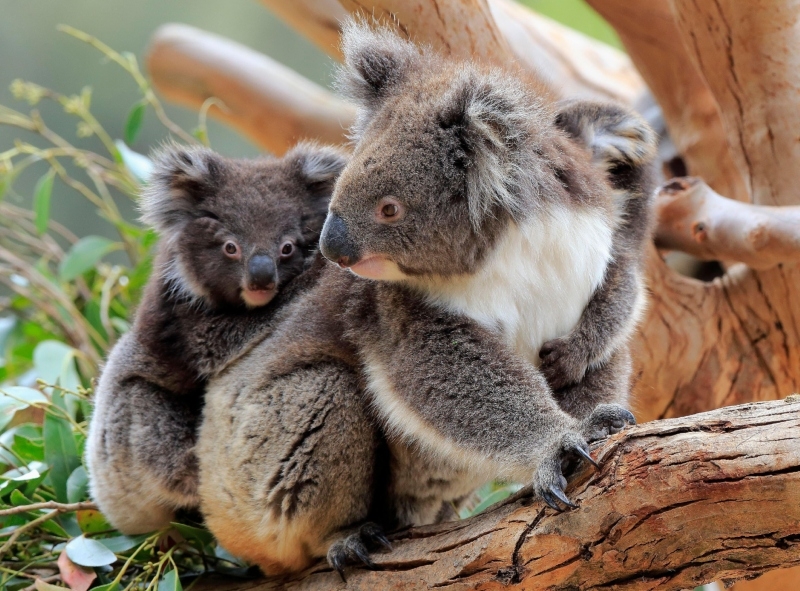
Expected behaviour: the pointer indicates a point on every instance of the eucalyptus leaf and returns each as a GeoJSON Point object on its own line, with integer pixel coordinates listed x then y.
{"type": "Point", "coordinates": [84, 255]}
{"type": "Point", "coordinates": [194, 533]}
{"type": "Point", "coordinates": [14, 399]}
{"type": "Point", "coordinates": [88, 552]}
{"type": "Point", "coordinates": [42, 586]}
{"type": "Point", "coordinates": [41, 201]}
{"type": "Point", "coordinates": [120, 544]}
{"type": "Point", "coordinates": [77, 483]}
{"type": "Point", "coordinates": [139, 165]}
{"type": "Point", "coordinates": [134, 123]}
{"type": "Point", "coordinates": [60, 450]}
{"type": "Point", "coordinates": [170, 582]}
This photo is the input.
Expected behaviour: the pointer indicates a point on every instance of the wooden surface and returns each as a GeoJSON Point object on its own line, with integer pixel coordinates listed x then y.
{"type": "Point", "coordinates": [677, 503]}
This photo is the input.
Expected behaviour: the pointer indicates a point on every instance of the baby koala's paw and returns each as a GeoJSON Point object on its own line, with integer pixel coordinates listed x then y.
{"type": "Point", "coordinates": [563, 362]}
{"type": "Point", "coordinates": [354, 549]}
{"type": "Point", "coordinates": [605, 420]}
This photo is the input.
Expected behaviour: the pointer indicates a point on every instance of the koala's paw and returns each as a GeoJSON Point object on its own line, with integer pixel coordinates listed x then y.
{"type": "Point", "coordinates": [605, 420]}
{"type": "Point", "coordinates": [563, 363]}
{"type": "Point", "coordinates": [354, 549]}
{"type": "Point", "coordinates": [549, 481]}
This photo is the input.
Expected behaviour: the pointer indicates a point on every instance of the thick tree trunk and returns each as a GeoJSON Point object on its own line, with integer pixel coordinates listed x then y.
{"type": "Point", "coordinates": [677, 503]}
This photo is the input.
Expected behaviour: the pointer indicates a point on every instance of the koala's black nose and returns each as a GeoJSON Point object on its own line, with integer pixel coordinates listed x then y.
{"type": "Point", "coordinates": [335, 244]}
{"type": "Point", "coordinates": [261, 272]}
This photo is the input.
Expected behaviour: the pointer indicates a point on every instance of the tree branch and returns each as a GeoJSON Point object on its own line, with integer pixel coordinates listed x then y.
{"type": "Point", "coordinates": [677, 503]}
{"type": "Point", "coordinates": [693, 218]}
{"type": "Point", "coordinates": [746, 53]}
{"type": "Point", "coordinates": [265, 101]}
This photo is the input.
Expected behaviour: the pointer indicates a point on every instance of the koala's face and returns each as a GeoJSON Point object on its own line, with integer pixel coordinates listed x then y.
{"type": "Point", "coordinates": [434, 178]}
{"type": "Point", "coordinates": [400, 209]}
{"type": "Point", "coordinates": [238, 230]}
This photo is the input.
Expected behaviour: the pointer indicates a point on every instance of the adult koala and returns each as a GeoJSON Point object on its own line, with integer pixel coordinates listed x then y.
{"type": "Point", "coordinates": [474, 230]}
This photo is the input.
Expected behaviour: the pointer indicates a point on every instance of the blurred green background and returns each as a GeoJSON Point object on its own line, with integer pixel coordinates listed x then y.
{"type": "Point", "coordinates": [32, 49]}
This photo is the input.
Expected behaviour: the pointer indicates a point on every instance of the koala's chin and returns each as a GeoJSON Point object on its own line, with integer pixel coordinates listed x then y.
{"type": "Point", "coordinates": [379, 268]}
{"type": "Point", "coordinates": [255, 298]}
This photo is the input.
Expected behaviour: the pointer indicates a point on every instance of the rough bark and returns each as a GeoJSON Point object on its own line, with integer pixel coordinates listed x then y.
{"type": "Point", "coordinates": [747, 53]}
{"type": "Point", "coordinates": [695, 219]}
{"type": "Point", "coordinates": [677, 503]}
{"type": "Point", "coordinates": [267, 102]}
{"type": "Point", "coordinates": [703, 345]}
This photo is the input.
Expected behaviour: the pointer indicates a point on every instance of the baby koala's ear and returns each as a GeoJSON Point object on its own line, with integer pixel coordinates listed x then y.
{"type": "Point", "coordinates": [319, 167]}
{"type": "Point", "coordinates": [182, 178]}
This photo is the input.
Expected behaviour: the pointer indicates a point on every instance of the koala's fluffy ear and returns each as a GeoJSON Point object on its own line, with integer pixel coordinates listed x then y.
{"type": "Point", "coordinates": [491, 118]}
{"type": "Point", "coordinates": [182, 178]}
{"type": "Point", "coordinates": [318, 167]}
{"type": "Point", "coordinates": [376, 61]}
{"type": "Point", "coordinates": [616, 135]}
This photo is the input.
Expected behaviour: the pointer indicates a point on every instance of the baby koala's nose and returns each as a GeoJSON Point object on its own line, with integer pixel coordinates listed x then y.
{"type": "Point", "coordinates": [261, 272]}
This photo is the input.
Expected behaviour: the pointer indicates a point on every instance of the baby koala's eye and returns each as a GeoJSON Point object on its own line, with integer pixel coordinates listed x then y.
{"type": "Point", "coordinates": [389, 210]}
{"type": "Point", "coordinates": [231, 249]}
{"type": "Point", "coordinates": [287, 249]}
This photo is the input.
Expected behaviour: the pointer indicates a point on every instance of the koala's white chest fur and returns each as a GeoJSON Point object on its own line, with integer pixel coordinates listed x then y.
{"type": "Point", "coordinates": [537, 281]}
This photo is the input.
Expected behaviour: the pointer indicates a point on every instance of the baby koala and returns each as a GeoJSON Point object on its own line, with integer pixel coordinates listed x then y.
{"type": "Point", "coordinates": [233, 235]}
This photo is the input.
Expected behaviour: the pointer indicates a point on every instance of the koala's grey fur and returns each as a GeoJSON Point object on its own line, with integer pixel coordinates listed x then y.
{"type": "Point", "coordinates": [624, 146]}
{"type": "Point", "coordinates": [194, 318]}
{"type": "Point", "coordinates": [480, 231]}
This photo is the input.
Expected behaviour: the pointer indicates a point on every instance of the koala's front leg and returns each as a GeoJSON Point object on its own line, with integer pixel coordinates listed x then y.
{"type": "Point", "coordinates": [623, 146]}
{"type": "Point", "coordinates": [140, 454]}
{"type": "Point", "coordinates": [606, 323]}
{"type": "Point", "coordinates": [454, 387]}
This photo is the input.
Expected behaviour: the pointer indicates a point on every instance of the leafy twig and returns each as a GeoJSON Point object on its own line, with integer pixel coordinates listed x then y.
{"type": "Point", "coordinates": [59, 507]}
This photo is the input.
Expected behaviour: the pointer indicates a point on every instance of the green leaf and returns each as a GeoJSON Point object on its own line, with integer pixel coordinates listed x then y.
{"type": "Point", "coordinates": [18, 499]}
{"type": "Point", "coordinates": [84, 255]}
{"type": "Point", "coordinates": [120, 544]}
{"type": "Point", "coordinates": [14, 399]}
{"type": "Point", "coordinates": [28, 449]}
{"type": "Point", "coordinates": [170, 582]}
{"type": "Point", "coordinates": [88, 552]}
{"type": "Point", "coordinates": [134, 122]}
{"type": "Point", "coordinates": [109, 587]}
{"type": "Point", "coordinates": [41, 201]}
{"type": "Point", "coordinates": [42, 586]}
{"type": "Point", "coordinates": [77, 483]}
{"type": "Point", "coordinates": [92, 522]}
{"type": "Point", "coordinates": [194, 533]}
{"type": "Point", "coordinates": [60, 451]}
{"type": "Point", "coordinates": [139, 165]}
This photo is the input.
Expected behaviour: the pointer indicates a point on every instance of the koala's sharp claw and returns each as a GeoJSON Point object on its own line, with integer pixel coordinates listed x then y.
{"type": "Point", "coordinates": [358, 550]}
{"type": "Point", "coordinates": [585, 455]}
{"type": "Point", "coordinates": [383, 541]}
{"type": "Point", "coordinates": [561, 496]}
{"type": "Point", "coordinates": [372, 532]}
{"type": "Point", "coordinates": [550, 501]}
{"type": "Point", "coordinates": [628, 415]}
{"type": "Point", "coordinates": [336, 558]}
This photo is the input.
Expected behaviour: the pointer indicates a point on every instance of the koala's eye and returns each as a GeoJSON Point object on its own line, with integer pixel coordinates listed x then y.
{"type": "Point", "coordinates": [231, 249]}
{"type": "Point", "coordinates": [390, 210]}
{"type": "Point", "coordinates": [287, 249]}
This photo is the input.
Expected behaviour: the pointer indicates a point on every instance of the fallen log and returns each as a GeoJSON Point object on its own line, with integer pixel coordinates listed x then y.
{"type": "Point", "coordinates": [677, 503]}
